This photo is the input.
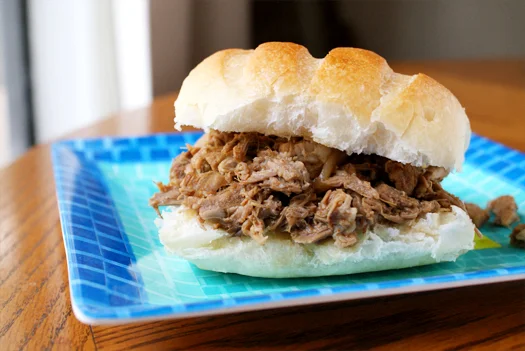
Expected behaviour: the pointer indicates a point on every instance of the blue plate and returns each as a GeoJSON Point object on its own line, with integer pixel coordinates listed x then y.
{"type": "Point", "coordinates": [119, 271]}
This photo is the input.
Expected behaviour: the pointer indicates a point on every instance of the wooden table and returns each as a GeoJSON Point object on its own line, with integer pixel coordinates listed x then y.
{"type": "Point", "coordinates": [35, 309]}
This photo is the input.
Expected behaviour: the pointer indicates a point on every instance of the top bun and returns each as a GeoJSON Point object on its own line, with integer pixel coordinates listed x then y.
{"type": "Point", "coordinates": [351, 100]}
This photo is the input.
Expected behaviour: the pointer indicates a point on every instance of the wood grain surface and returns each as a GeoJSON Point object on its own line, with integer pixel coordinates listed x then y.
{"type": "Point", "coordinates": [35, 309]}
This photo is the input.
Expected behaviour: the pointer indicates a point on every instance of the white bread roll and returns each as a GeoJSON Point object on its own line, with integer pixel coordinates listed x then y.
{"type": "Point", "coordinates": [435, 238]}
{"type": "Point", "coordinates": [350, 100]}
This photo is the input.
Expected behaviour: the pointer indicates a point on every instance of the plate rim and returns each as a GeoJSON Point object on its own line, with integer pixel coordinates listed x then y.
{"type": "Point", "coordinates": [294, 302]}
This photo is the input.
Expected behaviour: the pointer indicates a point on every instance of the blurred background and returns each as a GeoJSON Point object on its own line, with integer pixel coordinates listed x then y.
{"type": "Point", "coordinates": [67, 64]}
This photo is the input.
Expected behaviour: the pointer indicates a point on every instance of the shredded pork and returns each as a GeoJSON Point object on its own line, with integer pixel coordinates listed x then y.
{"type": "Point", "coordinates": [249, 184]}
{"type": "Point", "coordinates": [517, 237]}
{"type": "Point", "coordinates": [505, 209]}
{"type": "Point", "coordinates": [478, 215]}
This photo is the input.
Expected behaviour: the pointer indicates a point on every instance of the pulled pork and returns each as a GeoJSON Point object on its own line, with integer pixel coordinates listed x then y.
{"type": "Point", "coordinates": [478, 215]}
{"type": "Point", "coordinates": [505, 209]}
{"type": "Point", "coordinates": [249, 184]}
{"type": "Point", "coordinates": [517, 237]}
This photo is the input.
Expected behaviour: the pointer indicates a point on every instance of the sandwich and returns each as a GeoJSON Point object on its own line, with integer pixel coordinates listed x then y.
{"type": "Point", "coordinates": [313, 167]}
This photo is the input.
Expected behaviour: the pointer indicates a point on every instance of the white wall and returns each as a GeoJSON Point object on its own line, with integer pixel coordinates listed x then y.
{"type": "Point", "coordinates": [132, 52]}
{"type": "Point", "coordinates": [90, 58]}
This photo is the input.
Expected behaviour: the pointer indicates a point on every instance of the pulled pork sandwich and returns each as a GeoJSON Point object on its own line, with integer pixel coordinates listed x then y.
{"type": "Point", "coordinates": [314, 167]}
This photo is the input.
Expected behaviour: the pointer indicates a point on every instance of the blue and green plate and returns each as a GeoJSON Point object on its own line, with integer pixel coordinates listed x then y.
{"type": "Point", "coordinates": [119, 271]}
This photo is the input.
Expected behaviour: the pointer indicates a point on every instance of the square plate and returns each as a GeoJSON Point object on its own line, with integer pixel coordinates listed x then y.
{"type": "Point", "coordinates": [119, 271]}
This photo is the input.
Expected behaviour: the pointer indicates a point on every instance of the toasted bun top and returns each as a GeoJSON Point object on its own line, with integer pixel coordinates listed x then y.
{"type": "Point", "coordinates": [350, 100]}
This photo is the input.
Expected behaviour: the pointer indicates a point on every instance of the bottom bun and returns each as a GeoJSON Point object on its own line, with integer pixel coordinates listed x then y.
{"type": "Point", "coordinates": [435, 238]}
